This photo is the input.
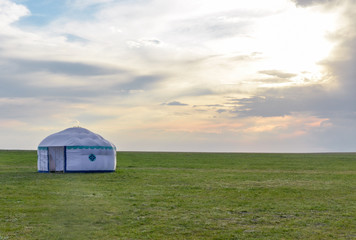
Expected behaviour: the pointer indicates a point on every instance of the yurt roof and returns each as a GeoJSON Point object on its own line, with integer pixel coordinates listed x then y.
{"type": "Point", "coordinates": [75, 136]}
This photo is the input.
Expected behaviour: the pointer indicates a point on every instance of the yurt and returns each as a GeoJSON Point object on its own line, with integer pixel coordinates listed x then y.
{"type": "Point", "coordinates": [76, 150]}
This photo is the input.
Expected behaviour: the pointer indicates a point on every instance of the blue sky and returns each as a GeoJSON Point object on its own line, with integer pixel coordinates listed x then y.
{"type": "Point", "coordinates": [188, 75]}
{"type": "Point", "coordinates": [45, 11]}
{"type": "Point", "coordinates": [42, 12]}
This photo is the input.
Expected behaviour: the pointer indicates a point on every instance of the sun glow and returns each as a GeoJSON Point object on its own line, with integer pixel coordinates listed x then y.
{"type": "Point", "coordinates": [292, 40]}
{"type": "Point", "coordinates": [297, 40]}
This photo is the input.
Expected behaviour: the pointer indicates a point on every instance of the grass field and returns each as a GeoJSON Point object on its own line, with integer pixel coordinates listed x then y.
{"type": "Point", "coordinates": [182, 196]}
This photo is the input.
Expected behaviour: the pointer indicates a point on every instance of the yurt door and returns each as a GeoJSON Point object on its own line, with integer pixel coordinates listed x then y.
{"type": "Point", "coordinates": [56, 159]}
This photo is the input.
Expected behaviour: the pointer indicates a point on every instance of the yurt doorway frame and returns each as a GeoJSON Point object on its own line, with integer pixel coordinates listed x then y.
{"type": "Point", "coordinates": [56, 159]}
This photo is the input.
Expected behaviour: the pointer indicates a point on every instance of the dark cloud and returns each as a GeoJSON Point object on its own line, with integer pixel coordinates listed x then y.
{"type": "Point", "coordinates": [141, 83]}
{"type": "Point", "coordinates": [18, 79]}
{"type": "Point", "coordinates": [335, 134]}
{"type": "Point", "coordinates": [12, 88]}
{"type": "Point", "coordinates": [37, 78]}
{"type": "Point", "coordinates": [344, 70]}
{"type": "Point", "coordinates": [285, 101]}
{"type": "Point", "coordinates": [175, 103]}
{"type": "Point", "coordinates": [277, 73]}
{"type": "Point", "coordinates": [15, 88]}
{"type": "Point", "coordinates": [209, 105]}
{"type": "Point", "coordinates": [59, 67]}
{"type": "Point", "coordinates": [262, 106]}
{"type": "Point", "coordinates": [31, 109]}
{"type": "Point", "coordinates": [196, 91]}
{"type": "Point", "coordinates": [18, 90]}
{"type": "Point", "coordinates": [305, 3]}
{"type": "Point", "coordinates": [220, 110]}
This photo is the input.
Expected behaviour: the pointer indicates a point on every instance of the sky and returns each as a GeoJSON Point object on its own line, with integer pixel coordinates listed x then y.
{"type": "Point", "coordinates": [181, 75]}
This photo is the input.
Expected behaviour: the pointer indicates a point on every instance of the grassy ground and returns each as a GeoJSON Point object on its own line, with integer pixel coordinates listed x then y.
{"type": "Point", "coordinates": [182, 196]}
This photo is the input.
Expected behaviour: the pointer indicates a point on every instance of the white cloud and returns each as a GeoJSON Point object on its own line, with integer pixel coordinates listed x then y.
{"type": "Point", "coordinates": [11, 12]}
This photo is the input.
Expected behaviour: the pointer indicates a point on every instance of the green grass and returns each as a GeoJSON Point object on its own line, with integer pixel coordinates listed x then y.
{"type": "Point", "coordinates": [182, 196]}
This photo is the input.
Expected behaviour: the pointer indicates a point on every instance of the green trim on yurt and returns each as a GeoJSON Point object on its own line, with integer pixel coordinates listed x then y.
{"type": "Point", "coordinates": [82, 147]}
{"type": "Point", "coordinates": [89, 147]}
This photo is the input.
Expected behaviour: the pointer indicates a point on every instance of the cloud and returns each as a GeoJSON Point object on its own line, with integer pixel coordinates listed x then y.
{"type": "Point", "coordinates": [247, 57]}
{"type": "Point", "coordinates": [213, 27]}
{"type": "Point", "coordinates": [286, 101]}
{"type": "Point", "coordinates": [327, 100]}
{"type": "Point", "coordinates": [219, 23]}
{"type": "Point", "coordinates": [175, 103]}
{"type": "Point", "coordinates": [140, 83]}
{"type": "Point", "coordinates": [220, 110]}
{"type": "Point", "coordinates": [74, 38]}
{"type": "Point", "coordinates": [88, 3]}
{"type": "Point", "coordinates": [106, 62]}
{"type": "Point", "coordinates": [58, 79]}
{"type": "Point", "coordinates": [262, 107]}
{"type": "Point", "coordinates": [272, 80]}
{"type": "Point", "coordinates": [30, 109]}
{"type": "Point", "coordinates": [277, 73]}
{"type": "Point", "coordinates": [11, 12]}
{"type": "Point", "coordinates": [60, 67]}
{"type": "Point", "coordinates": [305, 3]}
{"type": "Point", "coordinates": [143, 43]}
{"type": "Point", "coordinates": [333, 101]}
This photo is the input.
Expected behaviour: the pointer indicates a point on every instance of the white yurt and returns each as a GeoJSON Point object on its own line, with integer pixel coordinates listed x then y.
{"type": "Point", "coordinates": [76, 150]}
